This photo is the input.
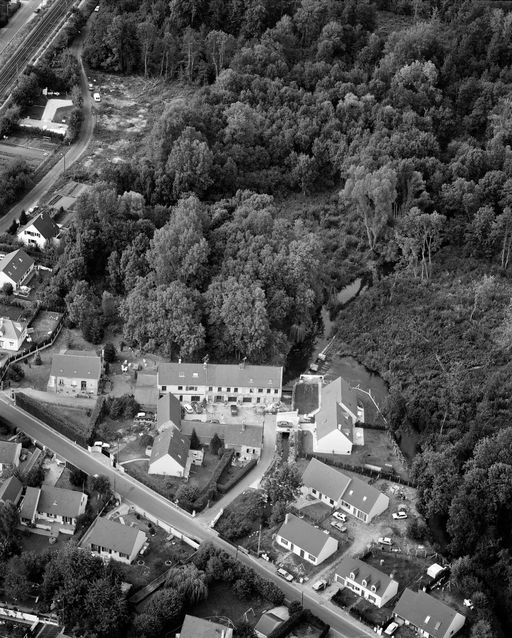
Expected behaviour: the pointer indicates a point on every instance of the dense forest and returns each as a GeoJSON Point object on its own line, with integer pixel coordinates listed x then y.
{"type": "Point", "coordinates": [397, 139]}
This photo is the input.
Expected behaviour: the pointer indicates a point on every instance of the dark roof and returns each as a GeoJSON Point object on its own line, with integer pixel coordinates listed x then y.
{"type": "Point", "coordinates": [168, 410]}
{"type": "Point", "coordinates": [29, 503]}
{"type": "Point", "coordinates": [111, 535]}
{"type": "Point", "coordinates": [16, 264]}
{"type": "Point", "coordinates": [171, 442]}
{"type": "Point", "coordinates": [267, 623]}
{"type": "Point", "coordinates": [361, 495]}
{"type": "Point", "coordinates": [425, 612]}
{"type": "Point", "coordinates": [81, 365]}
{"type": "Point", "coordinates": [220, 375]}
{"type": "Point", "coordinates": [59, 501]}
{"type": "Point", "coordinates": [332, 415]}
{"type": "Point", "coordinates": [237, 435]}
{"type": "Point", "coordinates": [146, 390]}
{"type": "Point", "coordinates": [194, 627]}
{"type": "Point", "coordinates": [363, 571]}
{"type": "Point", "coordinates": [11, 490]}
{"type": "Point", "coordinates": [309, 538]}
{"type": "Point", "coordinates": [44, 225]}
{"type": "Point", "coordinates": [326, 480]}
{"type": "Point", "coordinates": [9, 451]}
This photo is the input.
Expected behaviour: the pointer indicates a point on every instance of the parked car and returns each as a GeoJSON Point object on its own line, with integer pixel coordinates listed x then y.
{"type": "Point", "coordinates": [90, 86]}
{"type": "Point", "coordinates": [284, 574]}
{"type": "Point", "coordinates": [188, 408]}
{"type": "Point", "coordinates": [97, 8]}
{"type": "Point", "coordinates": [339, 526]}
{"type": "Point", "coordinates": [340, 516]}
{"type": "Point", "coordinates": [390, 629]}
{"type": "Point", "coordinates": [214, 421]}
{"type": "Point", "coordinates": [144, 417]}
{"type": "Point", "coordinates": [234, 409]}
{"type": "Point", "coordinates": [196, 406]}
{"type": "Point", "coordinates": [385, 540]}
{"type": "Point", "coordinates": [320, 585]}
{"type": "Point", "coordinates": [398, 516]}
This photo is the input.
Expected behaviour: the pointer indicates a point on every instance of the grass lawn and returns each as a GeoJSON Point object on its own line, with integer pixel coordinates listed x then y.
{"type": "Point", "coordinates": [10, 312]}
{"type": "Point", "coordinates": [62, 114]}
{"type": "Point", "coordinates": [38, 543]}
{"type": "Point", "coordinates": [44, 323]}
{"type": "Point", "coordinates": [305, 397]}
{"type": "Point", "coordinates": [223, 602]}
{"type": "Point", "coordinates": [78, 416]}
{"type": "Point", "coordinates": [318, 512]}
{"type": "Point", "coordinates": [407, 570]}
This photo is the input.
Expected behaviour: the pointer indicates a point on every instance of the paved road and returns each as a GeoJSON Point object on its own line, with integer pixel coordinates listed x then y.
{"type": "Point", "coordinates": [130, 489]}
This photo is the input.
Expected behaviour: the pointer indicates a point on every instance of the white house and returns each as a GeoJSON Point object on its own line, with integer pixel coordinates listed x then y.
{"type": "Point", "coordinates": [12, 334]}
{"type": "Point", "coordinates": [39, 232]}
{"type": "Point", "coordinates": [308, 542]}
{"type": "Point", "coordinates": [366, 581]}
{"type": "Point", "coordinates": [10, 453]}
{"type": "Point", "coordinates": [112, 540]}
{"type": "Point", "coordinates": [15, 268]}
{"type": "Point", "coordinates": [170, 454]}
{"type": "Point", "coordinates": [75, 372]}
{"type": "Point", "coordinates": [52, 508]}
{"type": "Point", "coordinates": [246, 440]}
{"type": "Point", "coordinates": [334, 422]}
{"type": "Point", "coordinates": [351, 494]}
{"type": "Point", "coordinates": [218, 383]}
{"type": "Point", "coordinates": [430, 617]}
{"type": "Point", "coordinates": [194, 627]}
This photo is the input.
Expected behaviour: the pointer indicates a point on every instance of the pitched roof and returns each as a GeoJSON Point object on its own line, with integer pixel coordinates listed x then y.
{"type": "Point", "coordinates": [332, 415]}
{"type": "Point", "coordinates": [168, 410]}
{"type": "Point", "coordinates": [82, 365]}
{"type": "Point", "coordinates": [59, 501]}
{"type": "Point", "coordinates": [16, 264]}
{"type": "Point", "coordinates": [10, 329]}
{"type": "Point", "coordinates": [326, 480]}
{"type": "Point", "coordinates": [9, 451]}
{"type": "Point", "coordinates": [44, 225]}
{"type": "Point", "coordinates": [363, 571]}
{"type": "Point", "coordinates": [267, 623]}
{"type": "Point", "coordinates": [249, 435]}
{"type": "Point", "coordinates": [11, 490]}
{"type": "Point", "coordinates": [425, 612]}
{"type": "Point", "coordinates": [220, 375]}
{"type": "Point", "coordinates": [309, 538]}
{"type": "Point", "coordinates": [111, 535]}
{"type": "Point", "coordinates": [170, 442]}
{"type": "Point", "coordinates": [194, 627]}
{"type": "Point", "coordinates": [361, 495]}
{"type": "Point", "coordinates": [29, 503]}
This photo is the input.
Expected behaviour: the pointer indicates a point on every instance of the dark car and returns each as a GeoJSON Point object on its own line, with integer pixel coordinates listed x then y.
{"type": "Point", "coordinates": [234, 409]}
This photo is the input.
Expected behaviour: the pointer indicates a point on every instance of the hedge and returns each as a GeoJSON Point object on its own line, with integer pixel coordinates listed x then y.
{"type": "Point", "coordinates": [225, 487]}
{"type": "Point", "coordinates": [203, 498]}
{"type": "Point", "coordinates": [97, 415]}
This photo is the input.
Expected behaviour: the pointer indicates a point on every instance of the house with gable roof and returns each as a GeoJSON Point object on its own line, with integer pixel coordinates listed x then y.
{"type": "Point", "coordinates": [429, 617]}
{"type": "Point", "coordinates": [335, 419]}
{"type": "Point", "coordinates": [308, 542]}
{"type": "Point", "coordinates": [194, 627]}
{"type": "Point", "coordinates": [40, 231]}
{"type": "Point", "coordinates": [366, 581]}
{"type": "Point", "coordinates": [246, 440]}
{"type": "Point", "coordinates": [170, 454]}
{"type": "Point", "coordinates": [112, 540]}
{"type": "Point", "coordinates": [15, 268]}
{"type": "Point", "coordinates": [12, 334]}
{"type": "Point", "coordinates": [52, 508]}
{"type": "Point", "coordinates": [10, 452]}
{"type": "Point", "coordinates": [75, 372]}
{"type": "Point", "coordinates": [168, 413]}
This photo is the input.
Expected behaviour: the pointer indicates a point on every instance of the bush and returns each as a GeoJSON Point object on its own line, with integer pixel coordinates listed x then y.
{"type": "Point", "coordinates": [109, 352]}
{"type": "Point", "coordinates": [215, 444]}
{"type": "Point", "coordinates": [225, 487]}
{"type": "Point", "coordinates": [146, 440]}
{"type": "Point", "coordinates": [37, 359]}
{"type": "Point", "coordinates": [7, 289]}
{"type": "Point", "coordinates": [195, 443]}
{"type": "Point", "coordinates": [203, 496]}
{"type": "Point", "coordinates": [123, 407]}
{"type": "Point", "coordinates": [15, 372]}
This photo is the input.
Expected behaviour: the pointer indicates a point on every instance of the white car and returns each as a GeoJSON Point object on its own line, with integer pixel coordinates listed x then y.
{"type": "Point", "coordinates": [340, 516]}
{"type": "Point", "coordinates": [390, 629]}
{"type": "Point", "coordinates": [385, 540]}
{"type": "Point", "coordinates": [284, 574]}
{"type": "Point", "coordinates": [90, 86]}
{"type": "Point", "coordinates": [97, 8]}
{"type": "Point", "coordinates": [96, 97]}
{"type": "Point", "coordinates": [188, 408]}
{"type": "Point", "coordinates": [337, 525]}
{"type": "Point", "coordinates": [398, 516]}
{"type": "Point", "coordinates": [320, 585]}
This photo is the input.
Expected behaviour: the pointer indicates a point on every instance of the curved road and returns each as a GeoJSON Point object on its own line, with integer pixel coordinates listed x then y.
{"type": "Point", "coordinates": [130, 489]}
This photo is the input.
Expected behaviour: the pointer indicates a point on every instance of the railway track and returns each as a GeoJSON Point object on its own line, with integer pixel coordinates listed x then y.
{"type": "Point", "coordinates": [31, 45]}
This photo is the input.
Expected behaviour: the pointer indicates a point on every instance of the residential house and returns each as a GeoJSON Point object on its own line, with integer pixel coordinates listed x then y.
{"type": "Point", "coordinates": [39, 232]}
{"type": "Point", "coordinates": [12, 334]}
{"type": "Point", "coordinates": [218, 383]}
{"type": "Point", "coordinates": [351, 494]}
{"type": "Point", "coordinates": [267, 623]}
{"type": "Point", "coordinates": [334, 421]}
{"type": "Point", "coordinates": [168, 413]}
{"type": "Point", "coordinates": [15, 268]}
{"type": "Point", "coordinates": [170, 454]}
{"type": "Point", "coordinates": [52, 508]}
{"type": "Point", "coordinates": [11, 490]}
{"type": "Point", "coordinates": [246, 440]}
{"type": "Point", "coordinates": [112, 540]}
{"type": "Point", "coordinates": [75, 372]}
{"type": "Point", "coordinates": [366, 581]}
{"type": "Point", "coordinates": [194, 627]}
{"type": "Point", "coordinates": [308, 542]}
{"type": "Point", "coordinates": [430, 617]}
{"type": "Point", "coordinates": [10, 452]}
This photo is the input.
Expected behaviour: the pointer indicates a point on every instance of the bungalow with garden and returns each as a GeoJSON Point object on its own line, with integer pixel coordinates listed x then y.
{"type": "Point", "coordinates": [308, 542]}
{"type": "Point", "coordinates": [170, 454]}
{"type": "Point", "coordinates": [219, 383]}
{"type": "Point", "coordinates": [39, 232]}
{"type": "Point", "coordinates": [114, 541]}
{"type": "Point", "coordinates": [10, 452]}
{"type": "Point", "coordinates": [75, 372]}
{"type": "Point", "coordinates": [52, 508]}
{"type": "Point", "coordinates": [334, 422]}
{"type": "Point", "coordinates": [351, 494]}
{"type": "Point", "coordinates": [373, 585]}
{"type": "Point", "coordinates": [11, 490]}
{"type": "Point", "coordinates": [429, 617]}
{"type": "Point", "coordinates": [246, 440]}
{"type": "Point", "coordinates": [15, 268]}
{"type": "Point", "coordinates": [12, 334]}
{"type": "Point", "coordinates": [194, 627]}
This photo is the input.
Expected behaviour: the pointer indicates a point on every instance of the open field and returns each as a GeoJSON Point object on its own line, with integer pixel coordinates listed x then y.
{"type": "Point", "coordinates": [32, 150]}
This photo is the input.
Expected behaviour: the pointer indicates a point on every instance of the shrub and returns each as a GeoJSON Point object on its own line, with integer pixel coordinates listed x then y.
{"type": "Point", "coordinates": [146, 440]}
{"type": "Point", "coordinates": [223, 488]}
{"type": "Point", "coordinates": [109, 352]}
{"type": "Point", "coordinates": [215, 444]}
{"type": "Point", "coordinates": [37, 359]}
{"type": "Point", "coordinates": [15, 372]}
{"type": "Point", "coordinates": [195, 443]}
{"type": "Point", "coordinates": [7, 289]}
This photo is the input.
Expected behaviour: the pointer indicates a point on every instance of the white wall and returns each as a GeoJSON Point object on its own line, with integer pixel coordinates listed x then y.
{"type": "Point", "coordinates": [334, 443]}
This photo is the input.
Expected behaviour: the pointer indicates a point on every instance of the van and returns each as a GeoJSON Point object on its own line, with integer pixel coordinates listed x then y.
{"type": "Point", "coordinates": [96, 97]}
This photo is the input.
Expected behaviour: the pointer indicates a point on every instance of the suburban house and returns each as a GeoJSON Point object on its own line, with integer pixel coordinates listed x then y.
{"type": "Point", "coordinates": [170, 454]}
{"type": "Point", "coordinates": [430, 617]}
{"type": "Point", "coordinates": [308, 542]}
{"type": "Point", "coordinates": [168, 413]}
{"type": "Point", "coordinates": [112, 540]}
{"type": "Point", "coordinates": [12, 334]}
{"type": "Point", "coordinates": [351, 494]}
{"type": "Point", "coordinates": [194, 627]}
{"type": "Point", "coordinates": [334, 421]}
{"type": "Point", "coordinates": [15, 268]}
{"type": "Point", "coordinates": [40, 231]}
{"type": "Point", "coordinates": [11, 490]}
{"type": "Point", "coordinates": [10, 453]}
{"type": "Point", "coordinates": [75, 372]}
{"type": "Point", "coordinates": [218, 383]}
{"type": "Point", "coordinates": [52, 508]}
{"type": "Point", "coordinates": [267, 623]}
{"type": "Point", "coordinates": [246, 440]}
{"type": "Point", "coordinates": [366, 581]}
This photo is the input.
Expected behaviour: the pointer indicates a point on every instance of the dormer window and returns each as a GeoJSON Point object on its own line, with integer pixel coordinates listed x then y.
{"type": "Point", "coordinates": [352, 575]}
{"type": "Point", "coordinates": [195, 374]}
{"type": "Point", "coordinates": [373, 588]}
{"type": "Point", "coordinates": [182, 375]}
{"type": "Point", "coordinates": [364, 583]}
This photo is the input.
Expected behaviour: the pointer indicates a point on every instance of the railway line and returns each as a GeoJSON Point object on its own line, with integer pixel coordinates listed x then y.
{"type": "Point", "coordinates": [25, 53]}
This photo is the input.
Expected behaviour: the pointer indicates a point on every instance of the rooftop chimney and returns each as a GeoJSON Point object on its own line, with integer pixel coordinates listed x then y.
{"type": "Point", "coordinates": [286, 518]}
